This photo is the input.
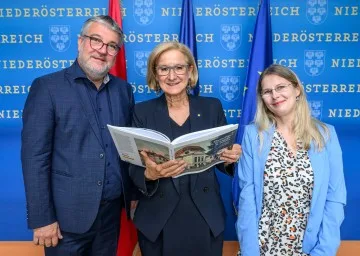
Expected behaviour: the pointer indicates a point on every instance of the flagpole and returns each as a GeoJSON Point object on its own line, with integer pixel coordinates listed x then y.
{"type": "Point", "coordinates": [188, 34]}
{"type": "Point", "coordinates": [260, 58]}
{"type": "Point", "coordinates": [128, 235]}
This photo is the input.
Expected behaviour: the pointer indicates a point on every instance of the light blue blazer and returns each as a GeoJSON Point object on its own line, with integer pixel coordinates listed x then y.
{"type": "Point", "coordinates": [322, 234]}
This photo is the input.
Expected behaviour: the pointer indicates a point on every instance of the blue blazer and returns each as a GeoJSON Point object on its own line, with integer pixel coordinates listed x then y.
{"type": "Point", "coordinates": [62, 153]}
{"type": "Point", "coordinates": [159, 198]}
{"type": "Point", "coordinates": [322, 234]}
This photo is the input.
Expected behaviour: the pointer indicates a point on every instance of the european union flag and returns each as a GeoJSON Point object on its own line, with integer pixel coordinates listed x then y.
{"type": "Point", "coordinates": [188, 34]}
{"type": "Point", "coordinates": [260, 59]}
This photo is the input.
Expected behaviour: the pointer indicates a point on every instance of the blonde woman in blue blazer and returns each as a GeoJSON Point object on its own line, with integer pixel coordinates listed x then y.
{"type": "Point", "coordinates": [292, 190]}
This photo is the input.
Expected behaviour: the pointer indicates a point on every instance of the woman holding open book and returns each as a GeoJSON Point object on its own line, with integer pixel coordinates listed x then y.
{"type": "Point", "coordinates": [184, 215]}
{"type": "Point", "coordinates": [292, 189]}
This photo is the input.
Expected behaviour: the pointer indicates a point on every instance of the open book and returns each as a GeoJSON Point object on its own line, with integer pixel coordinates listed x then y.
{"type": "Point", "coordinates": [200, 149]}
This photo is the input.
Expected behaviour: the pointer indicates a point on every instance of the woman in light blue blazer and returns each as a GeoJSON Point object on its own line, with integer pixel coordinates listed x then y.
{"type": "Point", "coordinates": [292, 190]}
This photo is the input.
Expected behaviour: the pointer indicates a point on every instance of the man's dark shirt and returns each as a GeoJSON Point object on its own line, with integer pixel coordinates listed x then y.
{"type": "Point", "coordinates": [102, 108]}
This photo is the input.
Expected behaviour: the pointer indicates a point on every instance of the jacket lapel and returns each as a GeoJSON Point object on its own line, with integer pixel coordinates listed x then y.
{"type": "Point", "coordinates": [265, 150]}
{"type": "Point", "coordinates": [317, 165]}
{"type": "Point", "coordinates": [115, 104]}
{"type": "Point", "coordinates": [196, 115]}
{"type": "Point", "coordinates": [197, 124]}
{"type": "Point", "coordinates": [161, 116]}
{"type": "Point", "coordinates": [87, 107]}
{"type": "Point", "coordinates": [161, 120]}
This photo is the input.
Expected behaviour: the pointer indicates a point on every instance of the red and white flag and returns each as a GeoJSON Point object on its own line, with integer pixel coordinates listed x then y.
{"type": "Point", "coordinates": [128, 235]}
{"type": "Point", "coordinates": [119, 69]}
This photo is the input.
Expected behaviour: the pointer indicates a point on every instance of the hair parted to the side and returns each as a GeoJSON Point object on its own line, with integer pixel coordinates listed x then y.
{"type": "Point", "coordinates": [155, 55]}
{"type": "Point", "coordinates": [107, 21]}
{"type": "Point", "coordinates": [305, 127]}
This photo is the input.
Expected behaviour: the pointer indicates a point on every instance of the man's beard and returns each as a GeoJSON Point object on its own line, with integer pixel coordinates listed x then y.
{"type": "Point", "coordinates": [93, 71]}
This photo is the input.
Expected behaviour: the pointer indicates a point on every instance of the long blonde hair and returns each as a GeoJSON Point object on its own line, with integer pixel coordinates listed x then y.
{"type": "Point", "coordinates": [305, 127]}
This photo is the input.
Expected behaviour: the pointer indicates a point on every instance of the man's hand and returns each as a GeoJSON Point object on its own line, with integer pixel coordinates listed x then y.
{"type": "Point", "coordinates": [48, 235]}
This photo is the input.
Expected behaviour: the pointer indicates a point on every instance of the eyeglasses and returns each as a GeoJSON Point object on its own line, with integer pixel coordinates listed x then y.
{"type": "Point", "coordinates": [165, 70]}
{"type": "Point", "coordinates": [280, 88]}
{"type": "Point", "coordinates": [96, 44]}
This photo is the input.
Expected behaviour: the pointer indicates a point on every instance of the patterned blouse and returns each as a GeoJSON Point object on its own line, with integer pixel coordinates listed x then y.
{"type": "Point", "coordinates": [288, 186]}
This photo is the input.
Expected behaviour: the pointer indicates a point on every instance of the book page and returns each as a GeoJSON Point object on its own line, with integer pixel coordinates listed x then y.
{"type": "Point", "coordinates": [204, 152]}
{"type": "Point", "coordinates": [156, 152]}
{"type": "Point", "coordinates": [147, 133]}
{"type": "Point", "coordinates": [130, 142]}
{"type": "Point", "coordinates": [203, 133]}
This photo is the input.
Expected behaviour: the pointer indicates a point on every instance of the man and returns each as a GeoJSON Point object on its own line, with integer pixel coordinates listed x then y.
{"type": "Point", "coordinates": [74, 180]}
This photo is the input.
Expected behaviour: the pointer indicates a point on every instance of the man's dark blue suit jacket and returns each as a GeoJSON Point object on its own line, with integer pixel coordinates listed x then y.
{"type": "Point", "coordinates": [63, 157]}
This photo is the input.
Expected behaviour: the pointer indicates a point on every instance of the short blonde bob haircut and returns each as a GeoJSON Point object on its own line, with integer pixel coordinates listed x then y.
{"type": "Point", "coordinates": [305, 127]}
{"type": "Point", "coordinates": [151, 77]}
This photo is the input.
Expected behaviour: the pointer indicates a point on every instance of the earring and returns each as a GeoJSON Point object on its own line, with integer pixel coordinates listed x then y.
{"type": "Point", "coordinates": [188, 88]}
{"type": "Point", "coordinates": [297, 98]}
{"type": "Point", "coordinates": [158, 89]}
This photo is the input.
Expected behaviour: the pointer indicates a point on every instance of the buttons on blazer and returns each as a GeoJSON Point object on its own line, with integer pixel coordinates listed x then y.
{"type": "Point", "coordinates": [101, 155]}
{"type": "Point", "coordinates": [205, 189]}
{"type": "Point", "coordinates": [99, 183]}
{"type": "Point", "coordinates": [161, 194]}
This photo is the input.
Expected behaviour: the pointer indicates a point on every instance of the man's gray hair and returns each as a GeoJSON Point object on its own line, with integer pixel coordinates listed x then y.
{"type": "Point", "coordinates": [108, 22]}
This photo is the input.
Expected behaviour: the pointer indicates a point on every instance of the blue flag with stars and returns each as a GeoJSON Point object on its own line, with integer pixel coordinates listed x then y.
{"type": "Point", "coordinates": [188, 34]}
{"type": "Point", "coordinates": [260, 59]}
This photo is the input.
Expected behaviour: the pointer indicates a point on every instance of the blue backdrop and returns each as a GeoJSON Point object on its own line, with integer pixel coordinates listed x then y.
{"type": "Point", "coordinates": [318, 39]}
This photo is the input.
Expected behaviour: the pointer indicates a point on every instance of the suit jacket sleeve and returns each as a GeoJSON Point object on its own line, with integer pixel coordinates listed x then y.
{"type": "Point", "coordinates": [247, 223]}
{"type": "Point", "coordinates": [136, 173]}
{"type": "Point", "coordinates": [333, 215]}
{"type": "Point", "coordinates": [36, 152]}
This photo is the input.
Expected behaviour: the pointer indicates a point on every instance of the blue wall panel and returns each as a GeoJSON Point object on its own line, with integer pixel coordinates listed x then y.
{"type": "Point", "coordinates": [318, 39]}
